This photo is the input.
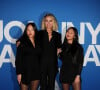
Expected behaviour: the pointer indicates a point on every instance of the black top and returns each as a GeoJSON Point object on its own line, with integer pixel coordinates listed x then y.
{"type": "Point", "coordinates": [27, 61]}
{"type": "Point", "coordinates": [49, 49]}
{"type": "Point", "coordinates": [72, 62]}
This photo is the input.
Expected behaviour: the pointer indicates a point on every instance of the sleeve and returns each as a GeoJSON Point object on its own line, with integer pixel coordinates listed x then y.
{"type": "Point", "coordinates": [18, 61]}
{"type": "Point", "coordinates": [81, 60]}
{"type": "Point", "coordinates": [59, 43]}
{"type": "Point", "coordinates": [40, 36]}
{"type": "Point", "coordinates": [61, 56]}
{"type": "Point", "coordinates": [20, 39]}
{"type": "Point", "coordinates": [63, 48]}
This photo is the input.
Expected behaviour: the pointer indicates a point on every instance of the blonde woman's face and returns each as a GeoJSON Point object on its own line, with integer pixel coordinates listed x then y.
{"type": "Point", "coordinates": [49, 22]}
{"type": "Point", "coordinates": [30, 31]}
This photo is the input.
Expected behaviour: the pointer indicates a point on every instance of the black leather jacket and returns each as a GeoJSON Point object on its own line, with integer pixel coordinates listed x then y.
{"type": "Point", "coordinates": [72, 54]}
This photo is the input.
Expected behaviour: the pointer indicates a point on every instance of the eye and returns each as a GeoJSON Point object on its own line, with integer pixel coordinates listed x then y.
{"type": "Point", "coordinates": [50, 20]}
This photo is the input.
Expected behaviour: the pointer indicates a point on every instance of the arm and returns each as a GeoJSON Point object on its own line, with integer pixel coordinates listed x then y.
{"type": "Point", "coordinates": [18, 63]}
{"type": "Point", "coordinates": [81, 59]}
{"type": "Point", "coordinates": [59, 44]}
{"type": "Point", "coordinates": [40, 37]}
{"type": "Point", "coordinates": [18, 42]}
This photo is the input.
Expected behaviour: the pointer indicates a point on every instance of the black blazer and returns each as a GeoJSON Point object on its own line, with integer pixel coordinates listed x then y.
{"type": "Point", "coordinates": [27, 57]}
{"type": "Point", "coordinates": [49, 48]}
{"type": "Point", "coordinates": [72, 55]}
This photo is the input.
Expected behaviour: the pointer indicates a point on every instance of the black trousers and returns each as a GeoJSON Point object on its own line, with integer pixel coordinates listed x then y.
{"type": "Point", "coordinates": [47, 81]}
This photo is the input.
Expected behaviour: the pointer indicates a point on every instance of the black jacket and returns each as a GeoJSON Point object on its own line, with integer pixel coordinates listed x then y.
{"type": "Point", "coordinates": [28, 60]}
{"type": "Point", "coordinates": [49, 49]}
{"type": "Point", "coordinates": [72, 54]}
{"type": "Point", "coordinates": [72, 62]}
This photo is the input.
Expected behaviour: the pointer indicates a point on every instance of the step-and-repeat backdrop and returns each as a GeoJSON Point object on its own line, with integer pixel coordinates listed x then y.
{"type": "Point", "coordinates": [83, 14]}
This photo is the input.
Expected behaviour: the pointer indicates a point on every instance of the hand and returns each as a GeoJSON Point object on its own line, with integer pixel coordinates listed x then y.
{"type": "Point", "coordinates": [19, 78]}
{"type": "Point", "coordinates": [59, 51]}
{"type": "Point", "coordinates": [18, 43]}
{"type": "Point", "coordinates": [77, 79]}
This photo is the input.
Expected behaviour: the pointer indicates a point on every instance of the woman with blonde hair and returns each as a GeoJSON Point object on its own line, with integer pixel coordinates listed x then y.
{"type": "Point", "coordinates": [50, 42]}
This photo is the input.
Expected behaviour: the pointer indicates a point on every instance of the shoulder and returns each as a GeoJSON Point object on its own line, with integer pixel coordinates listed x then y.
{"type": "Point", "coordinates": [56, 33]}
{"type": "Point", "coordinates": [41, 34]}
{"type": "Point", "coordinates": [22, 42]}
{"type": "Point", "coordinates": [80, 47]}
{"type": "Point", "coordinates": [41, 31]}
{"type": "Point", "coordinates": [21, 39]}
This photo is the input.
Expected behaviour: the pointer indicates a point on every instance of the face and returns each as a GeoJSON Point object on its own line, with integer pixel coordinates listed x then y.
{"type": "Point", "coordinates": [30, 32]}
{"type": "Point", "coordinates": [70, 34]}
{"type": "Point", "coordinates": [49, 22]}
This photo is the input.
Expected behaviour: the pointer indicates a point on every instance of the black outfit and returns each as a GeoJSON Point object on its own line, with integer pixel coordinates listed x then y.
{"type": "Point", "coordinates": [27, 61]}
{"type": "Point", "coordinates": [72, 62]}
{"type": "Point", "coordinates": [48, 60]}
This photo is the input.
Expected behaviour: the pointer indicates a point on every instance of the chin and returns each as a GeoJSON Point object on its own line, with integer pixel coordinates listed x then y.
{"type": "Point", "coordinates": [69, 39]}
{"type": "Point", "coordinates": [30, 36]}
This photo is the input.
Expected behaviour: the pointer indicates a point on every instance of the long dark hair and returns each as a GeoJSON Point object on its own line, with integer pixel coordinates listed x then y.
{"type": "Point", "coordinates": [34, 28]}
{"type": "Point", "coordinates": [76, 39]}
{"type": "Point", "coordinates": [24, 37]}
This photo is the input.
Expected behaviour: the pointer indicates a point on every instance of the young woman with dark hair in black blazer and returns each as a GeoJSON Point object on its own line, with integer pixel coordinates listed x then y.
{"type": "Point", "coordinates": [50, 42]}
{"type": "Point", "coordinates": [27, 59]}
{"type": "Point", "coordinates": [72, 60]}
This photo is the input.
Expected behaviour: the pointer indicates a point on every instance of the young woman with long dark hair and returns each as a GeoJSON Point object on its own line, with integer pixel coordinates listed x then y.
{"type": "Point", "coordinates": [72, 60]}
{"type": "Point", "coordinates": [27, 59]}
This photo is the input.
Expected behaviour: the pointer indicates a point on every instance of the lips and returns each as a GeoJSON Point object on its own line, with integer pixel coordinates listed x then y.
{"type": "Point", "coordinates": [30, 34]}
{"type": "Point", "coordinates": [68, 36]}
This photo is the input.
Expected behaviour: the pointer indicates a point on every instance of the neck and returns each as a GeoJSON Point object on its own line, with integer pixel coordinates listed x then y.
{"type": "Point", "coordinates": [32, 39]}
{"type": "Point", "coordinates": [70, 41]}
{"type": "Point", "coordinates": [49, 30]}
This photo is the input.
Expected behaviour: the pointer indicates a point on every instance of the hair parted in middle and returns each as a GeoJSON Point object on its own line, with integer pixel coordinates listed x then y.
{"type": "Point", "coordinates": [55, 23]}
{"type": "Point", "coordinates": [34, 28]}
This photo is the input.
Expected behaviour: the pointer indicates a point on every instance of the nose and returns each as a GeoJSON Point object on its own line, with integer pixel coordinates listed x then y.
{"type": "Point", "coordinates": [48, 22]}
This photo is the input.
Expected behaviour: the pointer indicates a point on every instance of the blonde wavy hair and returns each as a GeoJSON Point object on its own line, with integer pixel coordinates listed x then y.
{"type": "Point", "coordinates": [55, 24]}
